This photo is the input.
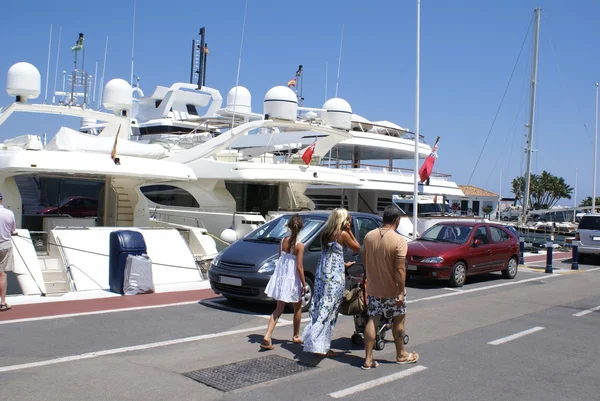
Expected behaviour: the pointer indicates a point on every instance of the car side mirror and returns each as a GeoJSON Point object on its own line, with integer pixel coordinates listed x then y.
{"type": "Point", "coordinates": [476, 243]}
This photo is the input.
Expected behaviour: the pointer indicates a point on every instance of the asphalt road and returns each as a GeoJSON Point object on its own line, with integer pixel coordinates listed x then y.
{"type": "Point", "coordinates": [531, 338]}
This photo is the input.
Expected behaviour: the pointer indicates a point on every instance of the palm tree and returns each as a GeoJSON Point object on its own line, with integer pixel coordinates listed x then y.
{"type": "Point", "coordinates": [545, 190]}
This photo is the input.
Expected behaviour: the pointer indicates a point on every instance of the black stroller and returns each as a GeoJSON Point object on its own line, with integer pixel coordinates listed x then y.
{"type": "Point", "coordinates": [360, 320]}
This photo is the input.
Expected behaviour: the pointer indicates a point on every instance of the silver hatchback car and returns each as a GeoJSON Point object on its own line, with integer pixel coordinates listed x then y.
{"type": "Point", "coordinates": [588, 236]}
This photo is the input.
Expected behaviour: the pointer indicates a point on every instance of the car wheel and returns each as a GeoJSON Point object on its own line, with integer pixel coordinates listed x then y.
{"type": "Point", "coordinates": [506, 218]}
{"type": "Point", "coordinates": [356, 339]}
{"type": "Point", "coordinates": [459, 275]}
{"type": "Point", "coordinates": [379, 345]}
{"type": "Point", "coordinates": [308, 294]}
{"type": "Point", "coordinates": [511, 268]}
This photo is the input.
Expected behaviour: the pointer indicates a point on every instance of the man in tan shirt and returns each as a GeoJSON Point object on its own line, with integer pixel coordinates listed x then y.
{"type": "Point", "coordinates": [384, 255]}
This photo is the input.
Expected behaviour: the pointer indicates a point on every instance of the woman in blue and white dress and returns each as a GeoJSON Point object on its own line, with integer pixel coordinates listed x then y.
{"type": "Point", "coordinates": [287, 283]}
{"type": "Point", "coordinates": [329, 283]}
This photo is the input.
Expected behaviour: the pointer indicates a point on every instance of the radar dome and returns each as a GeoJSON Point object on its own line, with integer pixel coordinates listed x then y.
{"type": "Point", "coordinates": [239, 99]}
{"type": "Point", "coordinates": [23, 81]}
{"type": "Point", "coordinates": [118, 96]}
{"type": "Point", "coordinates": [338, 113]}
{"type": "Point", "coordinates": [281, 103]}
{"type": "Point", "coordinates": [229, 235]}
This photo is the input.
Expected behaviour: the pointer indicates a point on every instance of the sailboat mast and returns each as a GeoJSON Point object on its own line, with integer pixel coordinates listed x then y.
{"type": "Point", "coordinates": [534, 71]}
{"type": "Point", "coordinates": [417, 115]}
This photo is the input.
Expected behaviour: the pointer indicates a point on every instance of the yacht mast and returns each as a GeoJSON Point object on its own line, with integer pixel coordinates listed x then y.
{"type": "Point", "coordinates": [595, 152]}
{"type": "Point", "coordinates": [536, 37]}
{"type": "Point", "coordinates": [417, 102]}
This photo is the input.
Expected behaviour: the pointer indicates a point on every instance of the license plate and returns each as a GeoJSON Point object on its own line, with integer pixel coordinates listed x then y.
{"type": "Point", "coordinates": [230, 280]}
{"type": "Point", "coordinates": [412, 267]}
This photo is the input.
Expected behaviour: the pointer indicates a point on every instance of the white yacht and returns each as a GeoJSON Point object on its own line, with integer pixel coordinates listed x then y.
{"type": "Point", "coordinates": [62, 246]}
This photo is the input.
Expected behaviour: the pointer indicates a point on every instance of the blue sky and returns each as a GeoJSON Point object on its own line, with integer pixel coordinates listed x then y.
{"type": "Point", "coordinates": [468, 50]}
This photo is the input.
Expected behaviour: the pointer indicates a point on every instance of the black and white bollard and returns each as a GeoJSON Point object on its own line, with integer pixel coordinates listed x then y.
{"type": "Point", "coordinates": [549, 248]}
{"type": "Point", "coordinates": [521, 250]}
{"type": "Point", "coordinates": [575, 262]}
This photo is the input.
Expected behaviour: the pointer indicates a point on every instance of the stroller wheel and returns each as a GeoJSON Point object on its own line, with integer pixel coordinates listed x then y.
{"type": "Point", "coordinates": [379, 345]}
{"type": "Point", "coordinates": [406, 338]}
{"type": "Point", "coordinates": [356, 339]}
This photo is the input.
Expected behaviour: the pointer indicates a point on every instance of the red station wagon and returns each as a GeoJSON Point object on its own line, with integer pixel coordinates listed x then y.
{"type": "Point", "coordinates": [456, 249]}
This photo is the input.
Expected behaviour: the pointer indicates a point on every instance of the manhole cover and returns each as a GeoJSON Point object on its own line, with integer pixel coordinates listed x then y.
{"type": "Point", "coordinates": [247, 373]}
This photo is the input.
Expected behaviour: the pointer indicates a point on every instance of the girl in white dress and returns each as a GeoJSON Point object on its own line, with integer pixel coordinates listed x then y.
{"type": "Point", "coordinates": [287, 282]}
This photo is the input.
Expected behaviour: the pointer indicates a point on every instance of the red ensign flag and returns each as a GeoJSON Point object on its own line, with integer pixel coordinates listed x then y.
{"type": "Point", "coordinates": [427, 167]}
{"type": "Point", "coordinates": [308, 153]}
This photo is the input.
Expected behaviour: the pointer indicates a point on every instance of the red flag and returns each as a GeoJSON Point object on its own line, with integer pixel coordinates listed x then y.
{"type": "Point", "coordinates": [427, 167]}
{"type": "Point", "coordinates": [308, 153]}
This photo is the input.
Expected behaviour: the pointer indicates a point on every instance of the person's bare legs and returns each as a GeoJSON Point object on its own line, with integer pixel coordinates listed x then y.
{"type": "Point", "coordinates": [398, 332]}
{"type": "Point", "coordinates": [273, 321]}
{"type": "Point", "coordinates": [2, 288]}
{"type": "Point", "coordinates": [297, 318]}
{"type": "Point", "coordinates": [370, 334]}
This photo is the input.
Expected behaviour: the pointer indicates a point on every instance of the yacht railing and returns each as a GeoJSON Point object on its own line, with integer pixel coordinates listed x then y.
{"type": "Point", "coordinates": [378, 169]}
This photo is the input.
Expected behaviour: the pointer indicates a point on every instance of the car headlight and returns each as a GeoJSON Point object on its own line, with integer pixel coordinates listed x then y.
{"type": "Point", "coordinates": [216, 260]}
{"type": "Point", "coordinates": [268, 266]}
{"type": "Point", "coordinates": [433, 259]}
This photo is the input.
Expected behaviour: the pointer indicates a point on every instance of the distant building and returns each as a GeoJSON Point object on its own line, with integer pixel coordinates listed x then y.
{"type": "Point", "coordinates": [475, 201]}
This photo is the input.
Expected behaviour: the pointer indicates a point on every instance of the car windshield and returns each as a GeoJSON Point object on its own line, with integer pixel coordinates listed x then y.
{"type": "Point", "coordinates": [456, 234]}
{"type": "Point", "coordinates": [276, 230]}
{"type": "Point", "coordinates": [64, 202]}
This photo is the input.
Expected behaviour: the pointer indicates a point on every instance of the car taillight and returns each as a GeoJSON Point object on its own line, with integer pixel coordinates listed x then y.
{"type": "Point", "coordinates": [577, 236]}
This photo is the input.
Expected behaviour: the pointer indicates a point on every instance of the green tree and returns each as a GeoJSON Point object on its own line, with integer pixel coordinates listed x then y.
{"type": "Point", "coordinates": [588, 201]}
{"type": "Point", "coordinates": [545, 190]}
{"type": "Point", "coordinates": [487, 210]}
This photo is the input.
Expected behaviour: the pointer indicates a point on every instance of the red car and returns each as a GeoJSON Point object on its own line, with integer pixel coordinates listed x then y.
{"type": "Point", "coordinates": [74, 206]}
{"type": "Point", "coordinates": [454, 250]}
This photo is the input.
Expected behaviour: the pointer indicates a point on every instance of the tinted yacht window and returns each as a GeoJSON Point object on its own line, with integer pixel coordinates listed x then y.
{"type": "Point", "coordinates": [169, 196]}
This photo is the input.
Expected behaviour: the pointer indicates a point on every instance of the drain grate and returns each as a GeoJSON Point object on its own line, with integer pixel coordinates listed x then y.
{"type": "Point", "coordinates": [247, 373]}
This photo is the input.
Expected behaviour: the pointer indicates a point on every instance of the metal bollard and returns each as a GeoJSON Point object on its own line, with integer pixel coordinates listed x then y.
{"type": "Point", "coordinates": [575, 262]}
{"type": "Point", "coordinates": [521, 250]}
{"type": "Point", "coordinates": [549, 248]}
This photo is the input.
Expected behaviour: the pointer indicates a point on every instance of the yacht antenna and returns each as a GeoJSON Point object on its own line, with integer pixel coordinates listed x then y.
{"type": "Point", "coordinates": [595, 151]}
{"type": "Point", "coordinates": [299, 84]}
{"type": "Point", "coordinates": [204, 54]}
{"type": "Point", "coordinates": [48, 65]}
{"type": "Point", "coordinates": [237, 79]}
{"type": "Point", "coordinates": [326, 68]}
{"type": "Point", "coordinates": [534, 71]}
{"type": "Point", "coordinates": [100, 92]}
{"type": "Point", "coordinates": [132, 42]}
{"type": "Point", "coordinates": [201, 66]}
{"type": "Point", "coordinates": [95, 81]}
{"type": "Point", "coordinates": [417, 116]}
{"type": "Point", "coordinates": [77, 48]}
{"type": "Point", "coordinates": [337, 82]}
{"type": "Point", "coordinates": [57, 57]}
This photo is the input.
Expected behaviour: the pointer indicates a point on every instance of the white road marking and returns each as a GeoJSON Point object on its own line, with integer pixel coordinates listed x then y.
{"type": "Point", "coordinates": [377, 382]}
{"type": "Point", "coordinates": [219, 305]}
{"type": "Point", "coordinates": [515, 336]}
{"type": "Point", "coordinates": [453, 289]}
{"type": "Point", "coordinates": [585, 312]}
{"type": "Point", "coordinates": [593, 270]}
{"type": "Point", "coordinates": [99, 312]}
{"type": "Point", "coordinates": [547, 276]}
{"type": "Point", "coordinates": [96, 354]}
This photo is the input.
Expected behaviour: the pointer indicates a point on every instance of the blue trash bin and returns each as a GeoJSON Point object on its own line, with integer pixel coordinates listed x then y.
{"type": "Point", "coordinates": [122, 244]}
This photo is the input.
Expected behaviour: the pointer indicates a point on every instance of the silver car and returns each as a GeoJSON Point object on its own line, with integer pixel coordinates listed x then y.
{"type": "Point", "coordinates": [588, 236]}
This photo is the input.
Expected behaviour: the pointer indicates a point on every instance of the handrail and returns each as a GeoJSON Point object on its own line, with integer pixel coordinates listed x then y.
{"type": "Point", "coordinates": [67, 265]}
{"type": "Point", "coordinates": [349, 165]}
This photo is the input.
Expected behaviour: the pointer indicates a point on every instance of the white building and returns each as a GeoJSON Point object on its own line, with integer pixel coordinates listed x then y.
{"type": "Point", "coordinates": [476, 202]}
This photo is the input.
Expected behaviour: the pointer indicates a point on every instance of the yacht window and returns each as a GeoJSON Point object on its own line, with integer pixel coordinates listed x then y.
{"type": "Point", "coordinates": [168, 195]}
{"type": "Point", "coordinates": [255, 198]}
{"type": "Point", "coordinates": [191, 109]}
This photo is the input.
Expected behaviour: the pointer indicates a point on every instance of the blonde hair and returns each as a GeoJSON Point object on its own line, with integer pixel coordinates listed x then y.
{"type": "Point", "coordinates": [334, 225]}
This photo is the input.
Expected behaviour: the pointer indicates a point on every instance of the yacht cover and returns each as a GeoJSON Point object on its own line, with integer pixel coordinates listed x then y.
{"type": "Point", "coordinates": [69, 140]}
{"type": "Point", "coordinates": [28, 142]}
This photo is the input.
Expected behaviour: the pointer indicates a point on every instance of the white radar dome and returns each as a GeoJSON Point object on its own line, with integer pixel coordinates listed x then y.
{"type": "Point", "coordinates": [23, 81]}
{"type": "Point", "coordinates": [239, 98]}
{"type": "Point", "coordinates": [281, 103]}
{"type": "Point", "coordinates": [229, 235]}
{"type": "Point", "coordinates": [117, 96]}
{"type": "Point", "coordinates": [338, 113]}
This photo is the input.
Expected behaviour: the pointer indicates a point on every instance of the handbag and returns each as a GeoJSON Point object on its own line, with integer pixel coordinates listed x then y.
{"type": "Point", "coordinates": [353, 302]}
